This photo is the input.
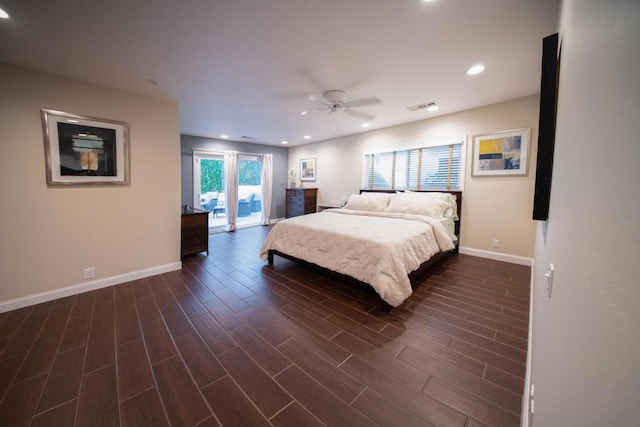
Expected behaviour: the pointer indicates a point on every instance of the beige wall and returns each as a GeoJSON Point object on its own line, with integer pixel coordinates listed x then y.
{"type": "Point", "coordinates": [493, 207]}
{"type": "Point", "coordinates": [49, 235]}
{"type": "Point", "coordinates": [586, 343]}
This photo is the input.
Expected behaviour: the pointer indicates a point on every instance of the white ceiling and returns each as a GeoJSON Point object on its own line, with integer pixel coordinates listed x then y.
{"type": "Point", "coordinates": [247, 67]}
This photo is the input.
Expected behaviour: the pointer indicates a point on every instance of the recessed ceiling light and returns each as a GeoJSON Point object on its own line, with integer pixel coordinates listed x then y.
{"type": "Point", "coordinates": [284, 142]}
{"type": "Point", "coordinates": [365, 125]}
{"type": "Point", "coordinates": [476, 69]}
{"type": "Point", "coordinates": [303, 113]}
{"type": "Point", "coordinates": [224, 136]}
{"type": "Point", "coordinates": [433, 107]}
{"type": "Point", "coordinates": [3, 14]}
{"type": "Point", "coordinates": [307, 137]}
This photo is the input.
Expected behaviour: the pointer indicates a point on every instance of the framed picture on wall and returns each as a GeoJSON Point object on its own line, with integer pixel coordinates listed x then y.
{"type": "Point", "coordinates": [501, 153]}
{"type": "Point", "coordinates": [81, 150]}
{"type": "Point", "coordinates": [307, 169]}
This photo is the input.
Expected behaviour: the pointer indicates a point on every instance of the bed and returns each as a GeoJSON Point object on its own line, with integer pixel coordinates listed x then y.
{"type": "Point", "coordinates": [379, 239]}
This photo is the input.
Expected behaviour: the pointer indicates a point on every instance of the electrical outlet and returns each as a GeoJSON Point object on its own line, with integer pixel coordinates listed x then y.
{"type": "Point", "coordinates": [495, 243]}
{"type": "Point", "coordinates": [89, 273]}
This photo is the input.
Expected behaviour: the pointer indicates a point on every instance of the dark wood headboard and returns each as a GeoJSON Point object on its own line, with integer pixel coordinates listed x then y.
{"type": "Point", "coordinates": [458, 195]}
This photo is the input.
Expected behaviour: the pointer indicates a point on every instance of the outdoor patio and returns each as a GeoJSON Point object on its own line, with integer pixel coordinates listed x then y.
{"type": "Point", "coordinates": [249, 207]}
{"type": "Point", "coordinates": [220, 220]}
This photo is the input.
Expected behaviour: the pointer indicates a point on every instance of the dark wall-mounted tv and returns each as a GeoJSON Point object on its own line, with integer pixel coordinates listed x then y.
{"type": "Point", "coordinates": [546, 126]}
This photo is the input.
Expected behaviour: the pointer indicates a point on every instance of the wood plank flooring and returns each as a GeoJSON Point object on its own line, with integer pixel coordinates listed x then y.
{"type": "Point", "coordinates": [229, 340]}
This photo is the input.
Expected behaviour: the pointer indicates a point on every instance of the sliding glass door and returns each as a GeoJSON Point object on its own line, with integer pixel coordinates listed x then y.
{"type": "Point", "coordinates": [208, 189]}
{"type": "Point", "coordinates": [249, 190]}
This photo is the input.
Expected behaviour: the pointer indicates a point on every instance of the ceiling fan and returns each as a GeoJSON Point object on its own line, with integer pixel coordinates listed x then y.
{"type": "Point", "coordinates": [336, 101]}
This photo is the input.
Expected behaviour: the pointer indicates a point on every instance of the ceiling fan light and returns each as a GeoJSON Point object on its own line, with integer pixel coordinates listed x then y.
{"type": "Point", "coordinates": [476, 69]}
{"type": "Point", "coordinates": [335, 97]}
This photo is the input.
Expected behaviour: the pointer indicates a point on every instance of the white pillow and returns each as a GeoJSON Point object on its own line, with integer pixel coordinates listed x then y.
{"type": "Point", "coordinates": [452, 212]}
{"type": "Point", "coordinates": [370, 202]}
{"type": "Point", "coordinates": [418, 206]}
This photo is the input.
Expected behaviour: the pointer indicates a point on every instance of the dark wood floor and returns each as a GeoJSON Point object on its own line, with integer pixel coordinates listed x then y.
{"type": "Point", "coordinates": [229, 340]}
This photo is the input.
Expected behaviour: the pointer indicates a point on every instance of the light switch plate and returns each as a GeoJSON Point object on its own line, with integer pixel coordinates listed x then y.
{"type": "Point", "coordinates": [549, 275]}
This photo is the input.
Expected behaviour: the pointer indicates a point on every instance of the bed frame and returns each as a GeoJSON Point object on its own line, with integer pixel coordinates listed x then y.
{"type": "Point", "coordinates": [365, 287]}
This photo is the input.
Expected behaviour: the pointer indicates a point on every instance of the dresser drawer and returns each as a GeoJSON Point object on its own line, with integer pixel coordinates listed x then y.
{"type": "Point", "coordinates": [300, 201]}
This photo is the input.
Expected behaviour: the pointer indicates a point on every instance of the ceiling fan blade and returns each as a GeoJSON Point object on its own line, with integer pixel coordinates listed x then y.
{"type": "Point", "coordinates": [363, 102]}
{"type": "Point", "coordinates": [290, 95]}
{"type": "Point", "coordinates": [359, 114]}
{"type": "Point", "coordinates": [314, 96]}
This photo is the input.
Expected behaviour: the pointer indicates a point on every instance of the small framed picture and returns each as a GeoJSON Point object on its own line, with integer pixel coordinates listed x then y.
{"type": "Point", "coordinates": [81, 150]}
{"type": "Point", "coordinates": [307, 169]}
{"type": "Point", "coordinates": [501, 153]}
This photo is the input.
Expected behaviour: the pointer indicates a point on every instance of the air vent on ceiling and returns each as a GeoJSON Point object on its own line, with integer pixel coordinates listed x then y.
{"type": "Point", "coordinates": [424, 106]}
{"type": "Point", "coordinates": [248, 137]}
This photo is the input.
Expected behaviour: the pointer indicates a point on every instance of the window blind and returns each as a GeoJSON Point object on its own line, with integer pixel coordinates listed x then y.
{"type": "Point", "coordinates": [380, 170]}
{"type": "Point", "coordinates": [436, 167]}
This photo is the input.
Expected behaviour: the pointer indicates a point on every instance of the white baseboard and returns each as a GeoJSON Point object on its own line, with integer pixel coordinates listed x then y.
{"type": "Point", "coordinates": [16, 303]}
{"type": "Point", "coordinates": [514, 259]}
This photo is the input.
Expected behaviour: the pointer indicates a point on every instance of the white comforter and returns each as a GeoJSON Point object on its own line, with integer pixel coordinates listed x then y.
{"type": "Point", "coordinates": [380, 249]}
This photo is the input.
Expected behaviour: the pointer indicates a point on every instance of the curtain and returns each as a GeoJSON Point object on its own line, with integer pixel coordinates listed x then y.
{"type": "Point", "coordinates": [231, 188]}
{"type": "Point", "coordinates": [265, 180]}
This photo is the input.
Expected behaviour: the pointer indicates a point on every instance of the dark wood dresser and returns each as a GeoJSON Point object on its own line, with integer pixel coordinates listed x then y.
{"type": "Point", "coordinates": [194, 232]}
{"type": "Point", "coordinates": [300, 201]}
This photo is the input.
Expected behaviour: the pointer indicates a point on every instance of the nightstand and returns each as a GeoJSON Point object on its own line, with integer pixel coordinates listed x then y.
{"type": "Point", "coordinates": [194, 232]}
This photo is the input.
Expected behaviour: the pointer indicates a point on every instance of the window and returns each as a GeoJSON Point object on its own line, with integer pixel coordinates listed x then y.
{"type": "Point", "coordinates": [433, 167]}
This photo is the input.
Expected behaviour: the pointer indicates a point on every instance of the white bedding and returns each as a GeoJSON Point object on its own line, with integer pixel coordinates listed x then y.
{"type": "Point", "coordinates": [450, 226]}
{"type": "Point", "coordinates": [378, 248]}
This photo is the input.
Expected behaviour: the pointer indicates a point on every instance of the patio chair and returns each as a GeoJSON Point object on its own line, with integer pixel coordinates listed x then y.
{"type": "Point", "coordinates": [217, 210]}
{"type": "Point", "coordinates": [211, 204]}
{"type": "Point", "coordinates": [245, 206]}
{"type": "Point", "coordinates": [256, 204]}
